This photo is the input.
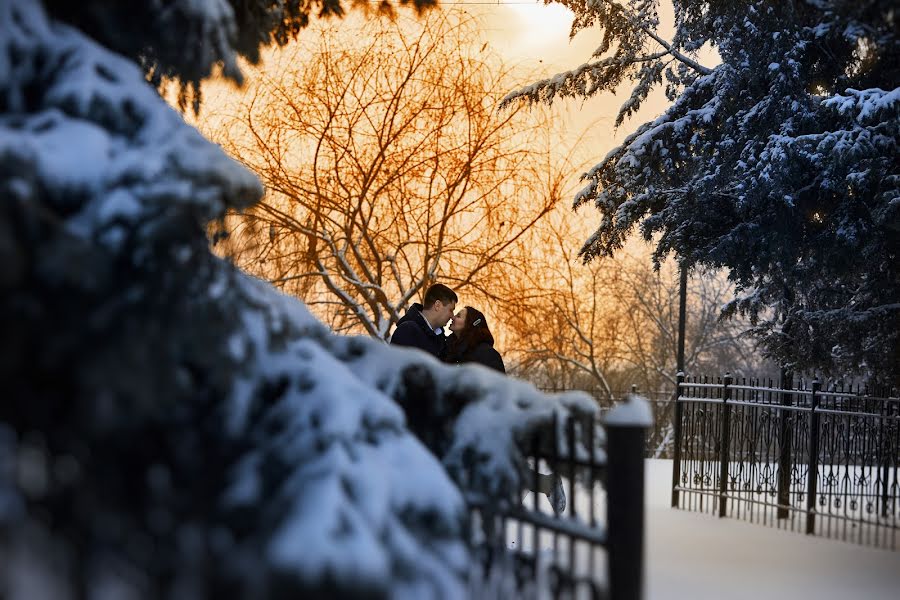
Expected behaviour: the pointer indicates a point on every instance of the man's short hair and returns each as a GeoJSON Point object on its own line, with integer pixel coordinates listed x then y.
{"type": "Point", "coordinates": [441, 292]}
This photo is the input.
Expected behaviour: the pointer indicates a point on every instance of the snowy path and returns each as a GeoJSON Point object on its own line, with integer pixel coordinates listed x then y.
{"type": "Point", "coordinates": [698, 556]}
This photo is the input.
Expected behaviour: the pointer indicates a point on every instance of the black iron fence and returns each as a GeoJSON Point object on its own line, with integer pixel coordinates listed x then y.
{"type": "Point", "coordinates": [796, 457]}
{"type": "Point", "coordinates": [590, 548]}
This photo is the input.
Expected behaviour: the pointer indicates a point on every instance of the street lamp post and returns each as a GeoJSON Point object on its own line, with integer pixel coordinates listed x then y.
{"type": "Point", "coordinates": [679, 366]}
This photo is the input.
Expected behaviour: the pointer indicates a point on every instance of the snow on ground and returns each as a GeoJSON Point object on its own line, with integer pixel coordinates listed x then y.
{"type": "Point", "coordinates": [699, 556]}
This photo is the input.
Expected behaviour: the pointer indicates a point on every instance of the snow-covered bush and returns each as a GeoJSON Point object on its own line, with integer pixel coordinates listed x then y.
{"type": "Point", "coordinates": [174, 428]}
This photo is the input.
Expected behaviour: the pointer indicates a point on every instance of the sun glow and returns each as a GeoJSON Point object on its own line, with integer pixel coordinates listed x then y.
{"type": "Point", "coordinates": [523, 30]}
{"type": "Point", "coordinates": [541, 21]}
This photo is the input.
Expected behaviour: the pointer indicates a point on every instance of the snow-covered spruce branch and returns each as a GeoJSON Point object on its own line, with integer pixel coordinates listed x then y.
{"type": "Point", "coordinates": [676, 54]}
{"type": "Point", "coordinates": [604, 74]}
{"type": "Point", "coordinates": [631, 18]}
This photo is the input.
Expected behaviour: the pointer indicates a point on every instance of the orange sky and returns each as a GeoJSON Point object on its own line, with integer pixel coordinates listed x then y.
{"type": "Point", "coordinates": [534, 38]}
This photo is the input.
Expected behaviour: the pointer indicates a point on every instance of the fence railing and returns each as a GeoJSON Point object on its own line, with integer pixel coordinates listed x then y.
{"type": "Point", "coordinates": [796, 457]}
{"type": "Point", "coordinates": [593, 547]}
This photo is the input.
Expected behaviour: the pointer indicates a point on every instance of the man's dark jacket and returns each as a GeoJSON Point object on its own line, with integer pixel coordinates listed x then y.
{"type": "Point", "coordinates": [414, 331]}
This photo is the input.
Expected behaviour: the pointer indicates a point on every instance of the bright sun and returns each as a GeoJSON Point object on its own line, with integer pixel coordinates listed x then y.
{"type": "Point", "coordinates": [542, 21]}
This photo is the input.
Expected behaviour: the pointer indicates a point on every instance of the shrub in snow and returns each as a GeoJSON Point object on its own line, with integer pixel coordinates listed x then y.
{"type": "Point", "coordinates": [172, 427]}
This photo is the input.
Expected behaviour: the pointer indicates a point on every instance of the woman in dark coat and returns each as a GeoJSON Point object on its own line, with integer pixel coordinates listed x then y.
{"type": "Point", "coordinates": [471, 341]}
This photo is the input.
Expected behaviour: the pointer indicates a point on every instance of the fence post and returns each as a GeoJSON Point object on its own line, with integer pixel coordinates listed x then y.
{"type": "Point", "coordinates": [725, 440]}
{"type": "Point", "coordinates": [784, 442]}
{"type": "Point", "coordinates": [884, 450]}
{"type": "Point", "coordinates": [676, 458]}
{"type": "Point", "coordinates": [625, 499]}
{"type": "Point", "coordinates": [813, 469]}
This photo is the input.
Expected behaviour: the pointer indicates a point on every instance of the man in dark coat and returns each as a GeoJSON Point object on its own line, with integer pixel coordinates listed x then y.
{"type": "Point", "coordinates": [422, 326]}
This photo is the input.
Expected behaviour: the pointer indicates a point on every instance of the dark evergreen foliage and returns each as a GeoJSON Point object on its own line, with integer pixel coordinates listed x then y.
{"type": "Point", "coordinates": [781, 163]}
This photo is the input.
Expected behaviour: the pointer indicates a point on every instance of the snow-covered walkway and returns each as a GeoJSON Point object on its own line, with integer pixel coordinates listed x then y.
{"type": "Point", "coordinates": [698, 556]}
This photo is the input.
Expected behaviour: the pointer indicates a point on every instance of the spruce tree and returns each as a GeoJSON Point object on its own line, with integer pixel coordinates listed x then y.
{"type": "Point", "coordinates": [780, 163]}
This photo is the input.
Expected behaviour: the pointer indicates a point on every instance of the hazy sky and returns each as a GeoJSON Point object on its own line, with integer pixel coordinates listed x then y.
{"type": "Point", "coordinates": [534, 38]}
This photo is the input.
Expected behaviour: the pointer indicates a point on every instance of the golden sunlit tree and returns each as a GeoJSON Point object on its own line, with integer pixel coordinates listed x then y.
{"type": "Point", "coordinates": [387, 167]}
